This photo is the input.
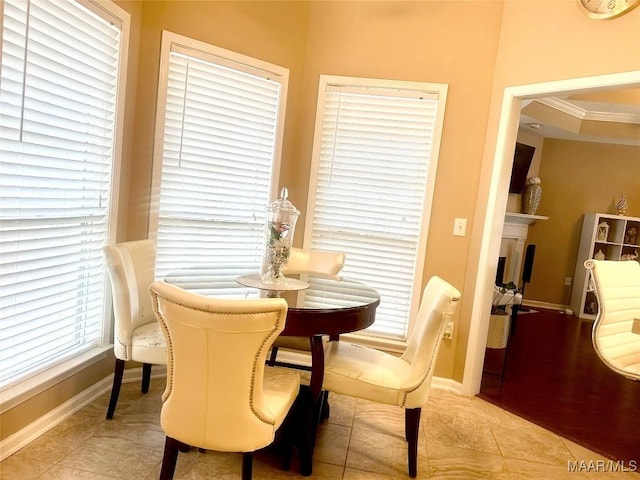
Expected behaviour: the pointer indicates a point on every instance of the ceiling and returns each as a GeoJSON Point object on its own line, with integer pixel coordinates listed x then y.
{"type": "Point", "coordinates": [586, 118]}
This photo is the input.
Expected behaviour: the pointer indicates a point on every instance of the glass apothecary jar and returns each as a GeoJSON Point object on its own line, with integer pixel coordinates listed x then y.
{"type": "Point", "coordinates": [279, 228]}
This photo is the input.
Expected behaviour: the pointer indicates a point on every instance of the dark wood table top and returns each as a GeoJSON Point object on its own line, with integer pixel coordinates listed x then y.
{"type": "Point", "coordinates": [331, 305]}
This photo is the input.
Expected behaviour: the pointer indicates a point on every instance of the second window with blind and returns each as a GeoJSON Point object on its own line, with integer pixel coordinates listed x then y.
{"type": "Point", "coordinates": [373, 171]}
{"type": "Point", "coordinates": [217, 154]}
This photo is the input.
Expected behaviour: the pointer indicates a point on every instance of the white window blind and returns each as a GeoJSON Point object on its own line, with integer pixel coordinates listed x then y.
{"type": "Point", "coordinates": [221, 129]}
{"type": "Point", "coordinates": [59, 78]}
{"type": "Point", "coordinates": [373, 169]}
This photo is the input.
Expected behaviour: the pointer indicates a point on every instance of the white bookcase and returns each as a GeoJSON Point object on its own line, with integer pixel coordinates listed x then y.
{"type": "Point", "coordinates": [618, 244]}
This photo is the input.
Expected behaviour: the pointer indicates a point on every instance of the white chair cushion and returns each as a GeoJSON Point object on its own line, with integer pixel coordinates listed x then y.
{"type": "Point", "coordinates": [280, 389]}
{"type": "Point", "coordinates": [148, 344]}
{"type": "Point", "coordinates": [365, 372]}
{"type": "Point", "coordinates": [305, 375]}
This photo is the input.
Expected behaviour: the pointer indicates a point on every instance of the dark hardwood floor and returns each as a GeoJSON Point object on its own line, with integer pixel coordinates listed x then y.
{"type": "Point", "coordinates": [554, 378]}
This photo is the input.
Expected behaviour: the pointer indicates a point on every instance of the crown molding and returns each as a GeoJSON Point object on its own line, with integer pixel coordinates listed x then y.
{"type": "Point", "coordinates": [576, 111]}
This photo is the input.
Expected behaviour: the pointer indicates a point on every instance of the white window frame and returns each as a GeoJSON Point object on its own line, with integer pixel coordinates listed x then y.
{"type": "Point", "coordinates": [172, 42]}
{"type": "Point", "coordinates": [48, 376]}
{"type": "Point", "coordinates": [432, 89]}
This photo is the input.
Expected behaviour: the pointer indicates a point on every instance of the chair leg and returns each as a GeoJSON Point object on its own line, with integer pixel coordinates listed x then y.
{"type": "Point", "coordinates": [286, 437]}
{"type": "Point", "coordinates": [146, 377]}
{"type": "Point", "coordinates": [412, 426]}
{"type": "Point", "coordinates": [326, 408]}
{"type": "Point", "coordinates": [170, 458]}
{"type": "Point", "coordinates": [247, 465]}
{"type": "Point", "coordinates": [272, 359]}
{"type": "Point", "coordinates": [307, 426]}
{"type": "Point", "coordinates": [115, 389]}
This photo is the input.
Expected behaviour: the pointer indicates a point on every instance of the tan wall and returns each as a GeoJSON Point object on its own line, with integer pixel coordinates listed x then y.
{"type": "Point", "coordinates": [476, 47]}
{"type": "Point", "coordinates": [577, 177]}
{"type": "Point", "coordinates": [404, 40]}
{"type": "Point", "coordinates": [129, 137]}
{"type": "Point", "coordinates": [271, 31]}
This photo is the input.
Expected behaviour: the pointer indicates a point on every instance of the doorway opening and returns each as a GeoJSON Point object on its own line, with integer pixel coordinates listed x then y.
{"type": "Point", "coordinates": [513, 99]}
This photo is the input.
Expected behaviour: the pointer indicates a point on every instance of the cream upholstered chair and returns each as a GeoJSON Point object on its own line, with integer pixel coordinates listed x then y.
{"type": "Point", "coordinates": [220, 395]}
{"type": "Point", "coordinates": [320, 261]}
{"type": "Point", "coordinates": [617, 288]}
{"type": "Point", "coordinates": [137, 334]}
{"type": "Point", "coordinates": [404, 381]}
{"type": "Point", "coordinates": [300, 260]}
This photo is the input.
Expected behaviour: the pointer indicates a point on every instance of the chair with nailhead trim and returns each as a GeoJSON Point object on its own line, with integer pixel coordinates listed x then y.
{"type": "Point", "coordinates": [377, 376]}
{"type": "Point", "coordinates": [220, 395]}
{"type": "Point", "coordinates": [137, 334]}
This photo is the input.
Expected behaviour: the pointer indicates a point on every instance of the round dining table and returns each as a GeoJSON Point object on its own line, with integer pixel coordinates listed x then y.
{"type": "Point", "coordinates": [318, 305]}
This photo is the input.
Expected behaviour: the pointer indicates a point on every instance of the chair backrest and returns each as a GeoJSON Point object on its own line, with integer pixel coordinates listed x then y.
{"type": "Point", "coordinates": [617, 288]}
{"type": "Point", "coordinates": [131, 268]}
{"type": "Point", "coordinates": [217, 352]}
{"type": "Point", "coordinates": [438, 304]}
{"type": "Point", "coordinates": [319, 261]}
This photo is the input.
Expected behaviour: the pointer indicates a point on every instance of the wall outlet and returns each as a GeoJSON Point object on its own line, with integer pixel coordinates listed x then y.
{"type": "Point", "coordinates": [448, 331]}
{"type": "Point", "coordinates": [567, 281]}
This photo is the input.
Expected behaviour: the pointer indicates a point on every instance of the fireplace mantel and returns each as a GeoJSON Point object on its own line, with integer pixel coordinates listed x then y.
{"type": "Point", "coordinates": [514, 235]}
{"type": "Point", "coordinates": [522, 218]}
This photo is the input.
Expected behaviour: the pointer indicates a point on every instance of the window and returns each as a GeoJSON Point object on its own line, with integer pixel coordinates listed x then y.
{"type": "Point", "coordinates": [59, 121]}
{"type": "Point", "coordinates": [220, 117]}
{"type": "Point", "coordinates": [373, 171]}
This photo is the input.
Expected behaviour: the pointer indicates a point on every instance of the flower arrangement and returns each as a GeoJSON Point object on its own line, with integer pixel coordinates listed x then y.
{"type": "Point", "coordinates": [279, 227]}
{"type": "Point", "coordinates": [277, 252]}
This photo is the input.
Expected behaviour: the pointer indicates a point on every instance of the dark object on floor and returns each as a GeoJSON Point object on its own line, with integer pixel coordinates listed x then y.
{"type": "Point", "coordinates": [527, 270]}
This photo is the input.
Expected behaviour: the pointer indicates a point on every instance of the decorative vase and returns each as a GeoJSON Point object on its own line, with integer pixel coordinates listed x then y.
{"type": "Point", "coordinates": [279, 227]}
{"type": "Point", "coordinates": [622, 205]}
{"type": "Point", "coordinates": [531, 196]}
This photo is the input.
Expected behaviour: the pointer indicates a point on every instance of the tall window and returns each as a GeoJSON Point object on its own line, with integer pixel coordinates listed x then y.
{"type": "Point", "coordinates": [373, 171]}
{"type": "Point", "coordinates": [61, 65]}
{"type": "Point", "coordinates": [220, 117]}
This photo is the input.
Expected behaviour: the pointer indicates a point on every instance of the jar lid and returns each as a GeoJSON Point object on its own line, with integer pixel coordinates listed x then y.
{"type": "Point", "coordinates": [283, 205]}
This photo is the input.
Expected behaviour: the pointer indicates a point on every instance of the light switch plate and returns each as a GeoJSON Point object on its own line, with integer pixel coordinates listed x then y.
{"type": "Point", "coordinates": [460, 227]}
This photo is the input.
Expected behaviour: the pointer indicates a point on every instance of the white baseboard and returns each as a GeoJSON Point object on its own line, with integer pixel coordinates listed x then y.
{"type": "Point", "coordinates": [547, 305]}
{"type": "Point", "coordinates": [46, 422]}
{"type": "Point", "coordinates": [21, 438]}
{"type": "Point", "coordinates": [446, 384]}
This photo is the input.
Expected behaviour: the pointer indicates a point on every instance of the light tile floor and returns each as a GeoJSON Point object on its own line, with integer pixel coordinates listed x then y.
{"type": "Point", "coordinates": [460, 438]}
